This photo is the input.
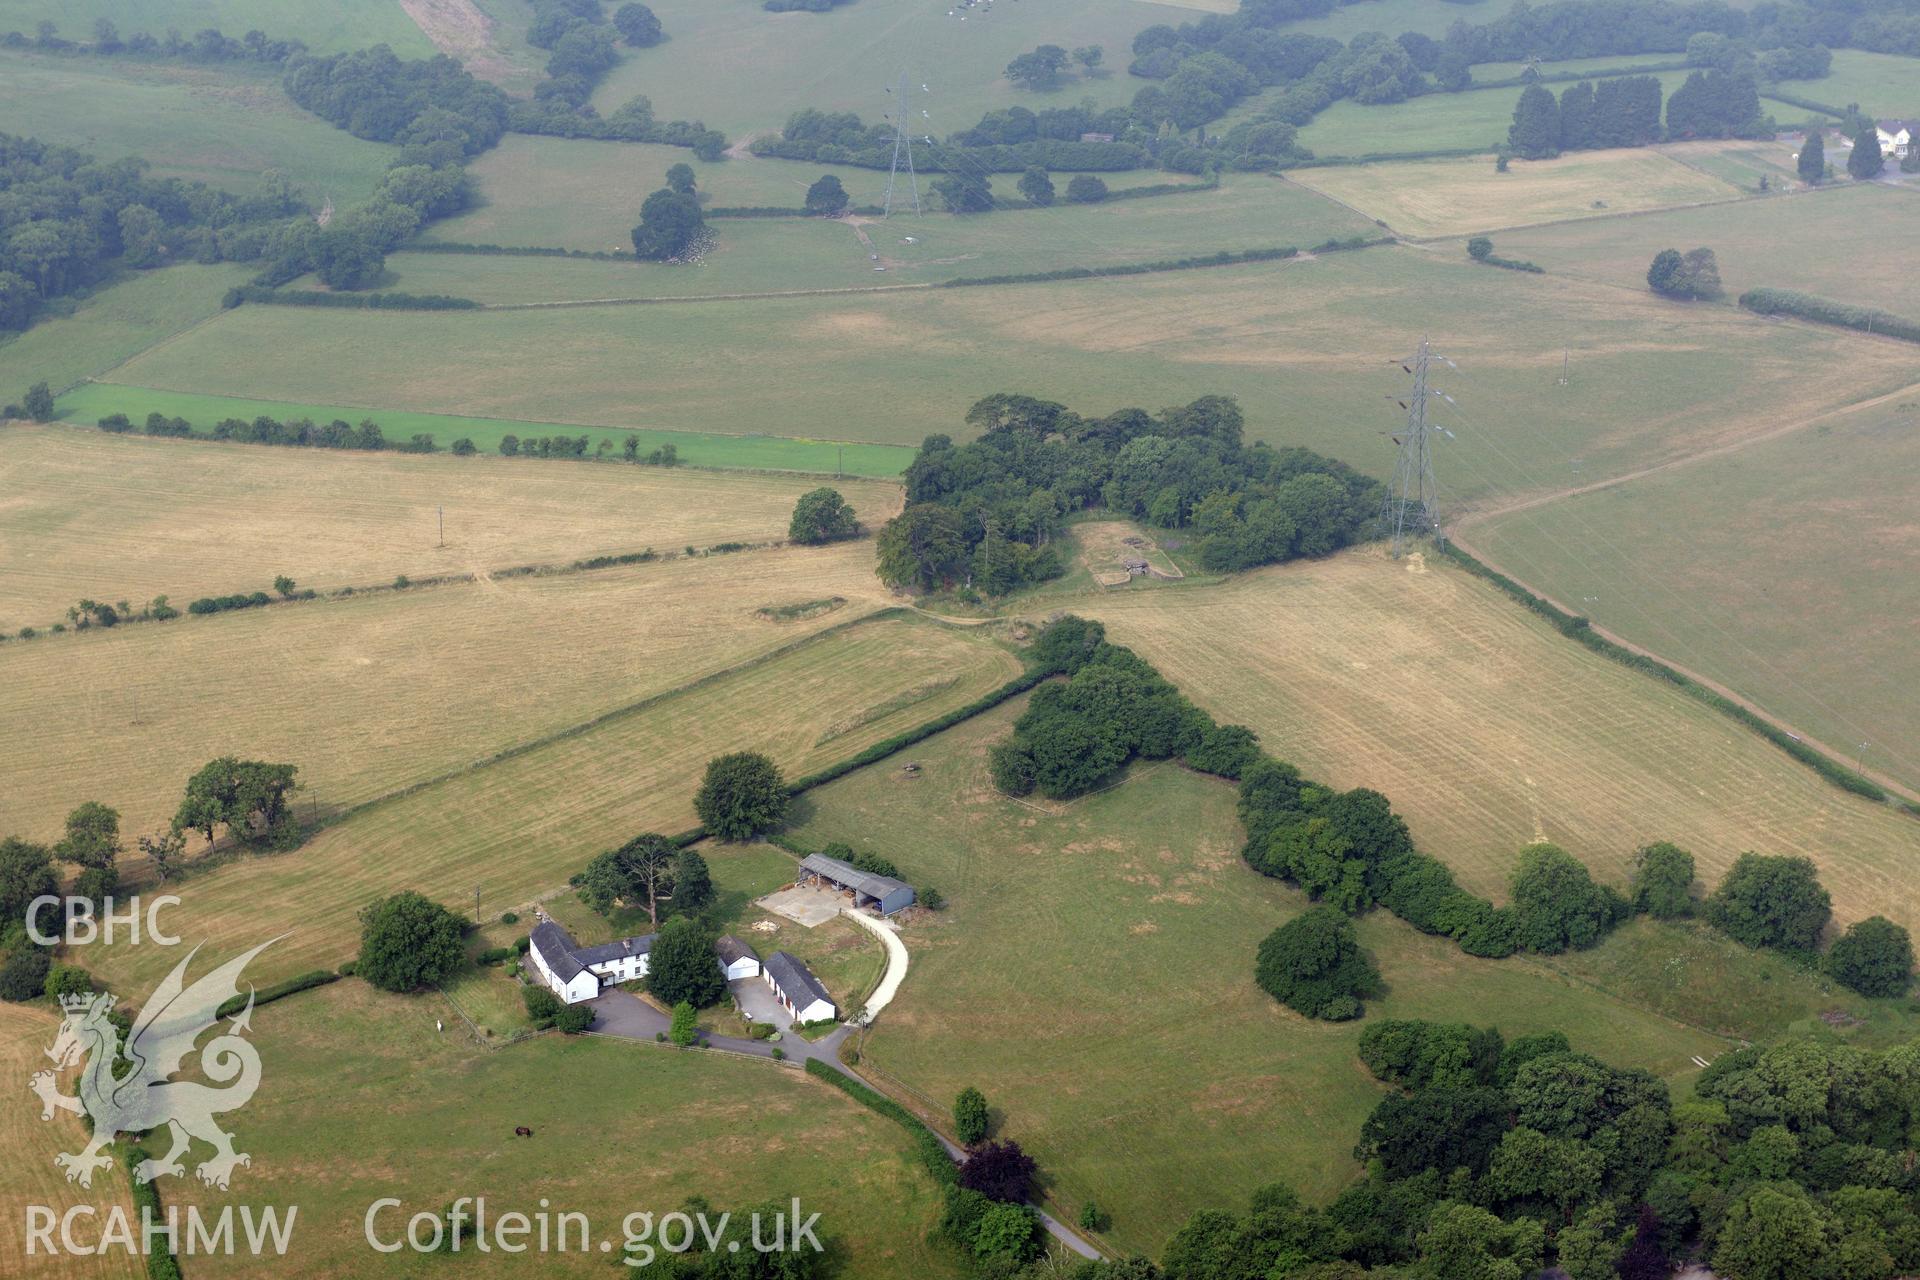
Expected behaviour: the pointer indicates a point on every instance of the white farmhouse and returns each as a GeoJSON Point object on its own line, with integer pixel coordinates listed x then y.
{"type": "Point", "coordinates": [578, 973]}
{"type": "Point", "coordinates": [798, 991]}
{"type": "Point", "coordinates": [1898, 137]}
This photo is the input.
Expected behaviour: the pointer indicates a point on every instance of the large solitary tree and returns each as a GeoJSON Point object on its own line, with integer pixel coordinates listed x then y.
{"type": "Point", "coordinates": [670, 224]}
{"type": "Point", "coordinates": [821, 515]}
{"type": "Point", "coordinates": [408, 942]}
{"type": "Point", "coordinates": [1313, 964]}
{"type": "Point", "coordinates": [742, 796]}
{"type": "Point", "coordinates": [827, 196]}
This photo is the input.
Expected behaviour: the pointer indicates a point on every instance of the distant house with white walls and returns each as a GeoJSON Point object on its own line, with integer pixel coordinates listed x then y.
{"type": "Point", "coordinates": [1897, 137]}
{"type": "Point", "coordinates": [577, 973]}
{"type": "Point", "coordinates": [798, 991]}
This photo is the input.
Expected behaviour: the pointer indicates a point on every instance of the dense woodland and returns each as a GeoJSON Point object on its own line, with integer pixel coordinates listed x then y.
{"type": "Point", "coordinates": [69, 220]}
{"type": "Point", "coordinates": [984, 514]}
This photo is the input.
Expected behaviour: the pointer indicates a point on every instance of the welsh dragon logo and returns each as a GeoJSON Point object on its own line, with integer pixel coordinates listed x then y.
{"type": "Point", "coordinates": [145, 1097]}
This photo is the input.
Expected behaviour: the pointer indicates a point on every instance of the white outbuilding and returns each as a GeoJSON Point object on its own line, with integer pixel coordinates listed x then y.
{"type": "Point", "coordinates": [798, 991]}
{"type": "Point", "coordinates": [737, 959]}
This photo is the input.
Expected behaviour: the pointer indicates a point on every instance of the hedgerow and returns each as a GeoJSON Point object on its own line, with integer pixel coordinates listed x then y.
{"type": "Point", "coordinates": [1773, 302]}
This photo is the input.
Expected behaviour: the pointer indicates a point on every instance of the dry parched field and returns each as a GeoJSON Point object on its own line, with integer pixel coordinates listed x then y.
{"type": "Point", "coordinates": [1808, 242]}
{"type": "Point", "coordinates": [28, 1175]}
{"type": "Point", "coordinates": [128, 518]}
{"type": "Point", "coordinates": [1782, 570]}
{"type": "Point", "coordinates": [360, 1099]}
{"type": "Point", "coordinates": [518, 828]}
{"type": "Point", "coordinates": [385, 690]}
{"type": "Point", "coordinates": [1488, 730]}
{"type": "Point", "coordinates": [1453, 197]}
{"type": "Point", "coordinates": [1307, 346]}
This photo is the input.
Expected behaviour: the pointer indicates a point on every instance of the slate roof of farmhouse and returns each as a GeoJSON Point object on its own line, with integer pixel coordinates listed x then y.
{"type": "Point", "coordinates": [568, 959]}
{"type": "Point", "coordinates": [851, 876]}
{"type": "Point", "coordinates": [556, 946]}
{"type": "Point", "coordinates": [619, 950]}
{"type": "Point", "coordinates": [730, 949]}
{"type": "Point", "coordinates": [795, 980]}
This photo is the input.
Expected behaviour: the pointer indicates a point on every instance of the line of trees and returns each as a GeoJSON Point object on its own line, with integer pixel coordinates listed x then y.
{"type": "Point", "coordinates": [580, 42]}
{"type": "Point", "coordinates": [983, 514]}
{"type": "Point", "coordinates": [1625, 112]}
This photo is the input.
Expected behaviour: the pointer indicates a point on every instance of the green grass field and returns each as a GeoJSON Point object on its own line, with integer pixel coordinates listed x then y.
{"type": "Point", "coordinates": [1433, 122]}
{"type": "Point", "coordinates": [517, 828]}
{"type": "Point", "coordinates": [587, 195]}
{"type": "Point", "coordinates": [1806, 242]}
{"type": "Point", "coordinates": [361, 1099]}
{"type": "Point", "coordinates": [327, 28]}
{"type": "Point", "coordinates": [743, 70]}
{"type": "Point", "coordinates": [1778, 570]}
{"type": "Point", "coordinates": [1884, 84]}
{"type": "Point", "coordinates": [1112, 940]}
{"type": "Point", "coordinates": [88, 403]}
{"type": "Point", "coordinates": [760, 255]}
{"type": "Point", "coordinates": [223, 125]}
{"type": "Point", "coordinates": [79, 338]}
{"type": "Point", "coordinates": [1305, 345]}
{"type": "Point", "coordinates": [1697, 975]}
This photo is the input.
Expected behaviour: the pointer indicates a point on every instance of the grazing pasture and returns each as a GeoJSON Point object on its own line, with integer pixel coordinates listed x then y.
{"type": "Point", "coordinates": [89, 335]}
{"type": "Point", "coordinates": [77, 523]}
{"type": "Point", "coordinates": [387, 689]}
{"type": "Point", "coordinates": [518, 827]}
{"type": "Point", "coordinates": [743, 70]}
{"type": "Point", "coordinates": [28, 1176]}
{"type": "Point", "coordinates": [758, 255]}
{"type": "Point", "coordinates": [1807, 242]}
{"type": "Point", "coordinates": [87, 404]}
{"type": "Point", "coordinates": [223, 125]}
{"type": "Point", "coordinates": [1488, 730]}
{"type": "Point", "coordinates": [348, 1071]}
{"type": "Point", "coordinates": [1307, 346]}
{"type": "Point", "coordinates": [1423, 198]}
{"type": "Point", "coordinates": [1431, 122]}
{"type": "Point", "coordinates": [582, 194]}
{"type": "Point", "coordinates": [324, 28]}
{"type": "Point", "coordinates": [1781, 570]}
{"type": "Point", "coordinates": [1884, 84]}
{"type": "Point", "coordinates": [1112, 940]}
